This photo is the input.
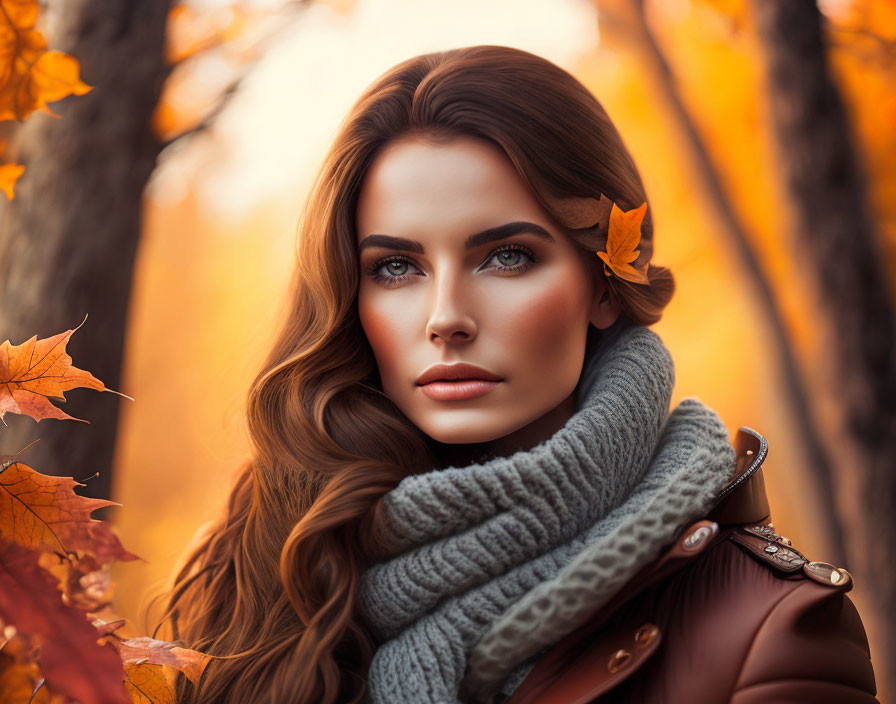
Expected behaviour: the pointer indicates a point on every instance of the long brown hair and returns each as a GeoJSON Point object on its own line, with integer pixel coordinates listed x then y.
{"type": "Point", "coordinates": [271, 588]}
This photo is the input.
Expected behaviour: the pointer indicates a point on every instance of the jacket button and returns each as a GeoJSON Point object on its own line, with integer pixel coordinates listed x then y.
{"type": "Point", "coordinates": [826, 573]}
{"type": "Point", "coordinates": [645, 634]}
{"type": "Point", "coordinates": [697, 537]}
{"type": "Point", "coordinates": [618, 660]}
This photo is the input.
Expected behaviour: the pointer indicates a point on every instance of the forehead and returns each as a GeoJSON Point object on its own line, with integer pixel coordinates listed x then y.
{"type": "Point", "coordinates": [413, 183]}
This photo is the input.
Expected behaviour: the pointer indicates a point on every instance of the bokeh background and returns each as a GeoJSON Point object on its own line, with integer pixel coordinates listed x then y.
{"type": "Point", "coordinates": [255, 94]}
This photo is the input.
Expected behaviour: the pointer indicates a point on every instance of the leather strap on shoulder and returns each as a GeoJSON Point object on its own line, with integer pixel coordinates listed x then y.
{"type": "Point", "coordinates": [743, 501]}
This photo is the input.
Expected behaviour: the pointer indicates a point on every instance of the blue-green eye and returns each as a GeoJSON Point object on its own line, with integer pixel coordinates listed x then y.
{"type": "Point", "coordinates": [390, 267]}
{"type": "Point", "coordinates": [510, 261]}
{"type": "Point", "coordinates": [396, 267]}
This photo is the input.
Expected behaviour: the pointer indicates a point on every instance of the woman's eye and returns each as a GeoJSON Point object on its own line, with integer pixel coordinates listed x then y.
{"type": "Point", "coordinates": [390, 271]}
{"type": "Point", "coordinates": [509, 257]}
{"type": "Point", "coordinates": [512, 258]}
{"type": "Point", "coordinates": [396, 267]}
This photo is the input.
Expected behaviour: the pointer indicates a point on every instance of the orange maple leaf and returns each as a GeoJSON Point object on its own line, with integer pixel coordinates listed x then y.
{"type": "Point", "coordinates": [159, 652]}
{"type": "Point", "coordinates": [43, 512]}
{"type": "Point", "coordinates": [86, 583]}
{"type": "Point", "coordinates": [623, 236]}
{"type": "Point", "coordinates": [20, 677]}
{"type": "Point", "coordinates": [147, 683]}
{"type": "Point", "coordinates": [189, 31]}
{"type": "Point", "coordinates": [9, 173]}
{"type": "Point", "coordinates": [36, 371]}
{"type": "Point", "coordinates": [30, 74]}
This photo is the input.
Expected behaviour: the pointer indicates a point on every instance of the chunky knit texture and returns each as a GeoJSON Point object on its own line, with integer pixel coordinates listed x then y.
{"type": "Point", "coordinates": [498, 560]}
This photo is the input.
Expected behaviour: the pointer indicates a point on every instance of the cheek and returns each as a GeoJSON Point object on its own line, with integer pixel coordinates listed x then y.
{"type": "Point", "coordinates": [384, 327]}
{"type": "Point", "coordinates": [547, 325]}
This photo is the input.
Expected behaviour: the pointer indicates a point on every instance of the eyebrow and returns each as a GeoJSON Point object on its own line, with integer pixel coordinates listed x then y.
{"type": "Point", "coordinates": [492, 234]}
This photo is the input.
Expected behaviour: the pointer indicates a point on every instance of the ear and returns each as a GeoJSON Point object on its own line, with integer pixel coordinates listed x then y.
{"type": "Point", "coordinates": [605, 309]}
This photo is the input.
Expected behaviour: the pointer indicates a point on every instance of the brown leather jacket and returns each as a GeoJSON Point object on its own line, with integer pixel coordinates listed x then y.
{"type": "Point", "coordinates": [730, 613]}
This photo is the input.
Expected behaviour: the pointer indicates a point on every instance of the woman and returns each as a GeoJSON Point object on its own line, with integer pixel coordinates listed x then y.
{"type": "Point", "coordinates": [467, 484]}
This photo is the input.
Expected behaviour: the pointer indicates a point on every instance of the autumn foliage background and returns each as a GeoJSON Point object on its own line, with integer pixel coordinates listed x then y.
{"type": "Point", "coordinates": [245, 118]}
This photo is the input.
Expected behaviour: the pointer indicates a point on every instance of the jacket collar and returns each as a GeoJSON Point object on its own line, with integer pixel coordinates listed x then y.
{"type": "Point", "coordinates": [741, 501]}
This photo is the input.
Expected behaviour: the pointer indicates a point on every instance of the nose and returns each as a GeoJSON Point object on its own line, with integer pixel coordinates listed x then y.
{"type": "Point", "coordinates": [450, 319]}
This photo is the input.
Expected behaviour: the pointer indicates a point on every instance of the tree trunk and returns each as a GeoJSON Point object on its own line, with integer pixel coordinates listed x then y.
{"type": "Point", "coordinates": [835, 237]}
{"type": "Point", "coordinates": [69, 237]}
{"type": "Point", "coordinates": [794, 387]}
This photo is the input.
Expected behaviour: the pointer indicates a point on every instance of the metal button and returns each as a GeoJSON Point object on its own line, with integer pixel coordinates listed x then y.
{"type": "Point", "coordinates": [789, 558]}
{"type": "Point", "coordinates": [645, 634]}
{"type": "Point", "coordinates": [618, 660]}
{"type": "Point", "coordinates": [762, 531]}
{"type": "Point", "coordinates": [697, 538]}
{"type": "Point", "coordinates": [768, 533]}
{"type": "Point", "coordinates": [771, 549]}
{"type": "Point", "coordinates": [826, 573]}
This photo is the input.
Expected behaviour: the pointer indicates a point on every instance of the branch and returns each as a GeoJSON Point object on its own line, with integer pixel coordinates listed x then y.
{"type": "Point", "coordinates": [282, 20]}
{"type": "Point", "coordinates": [736, 232]}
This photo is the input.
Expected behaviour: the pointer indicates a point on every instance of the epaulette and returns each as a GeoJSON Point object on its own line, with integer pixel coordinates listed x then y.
{"type": "Point", "coordinates": [777, 552]}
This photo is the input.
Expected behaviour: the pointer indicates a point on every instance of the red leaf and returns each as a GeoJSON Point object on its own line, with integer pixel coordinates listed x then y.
{"type": "Point", "coordinates": [71, 660]}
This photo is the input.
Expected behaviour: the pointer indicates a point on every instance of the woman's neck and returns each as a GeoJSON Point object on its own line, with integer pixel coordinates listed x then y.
{"type": "Point", "coordinates": [525, 438]}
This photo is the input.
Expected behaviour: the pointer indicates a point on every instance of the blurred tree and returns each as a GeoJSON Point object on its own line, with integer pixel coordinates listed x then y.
{"type": "Point", "coordinates": [836, 238]}
{"type": "Point", "coordinates": [69, 238]}
{"type": "Point", "coordinates": [836, 243]}
{"type": "Point", "coordinates": [629, 20]}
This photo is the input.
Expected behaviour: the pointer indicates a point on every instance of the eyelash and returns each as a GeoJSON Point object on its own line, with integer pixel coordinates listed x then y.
{"type": "Point", "coordinates": [392, 280]}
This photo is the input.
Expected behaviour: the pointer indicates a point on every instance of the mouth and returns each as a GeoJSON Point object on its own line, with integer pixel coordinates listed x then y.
{"type": "Point", "coordinates": [460, 371]}
{"type": "Point", "coordinates": [457, 382]}
{"type": "Point", "coordinates": [457, 389]}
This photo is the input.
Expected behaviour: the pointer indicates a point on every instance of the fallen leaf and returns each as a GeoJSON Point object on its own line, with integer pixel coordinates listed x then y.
{"type": "Point", "coordinates": [160, 652]}
{"type": "Point", "coordinates": [86, 583]}
{"type": "Point", "coordinates": [105, 628]}
{"type": "Point", "coordinates": [71, 660]}
{"type": "Point", "coordinates": [40, 511]}
{"type": "Point", "coordinates": [30, 74]}
{"type": "Point", "coordinates": [9, 174]}
{"type": "Point", "coordinates": [36, 371]}
{"type": "Point", "coordinates": [147, 684]}
{"type": "Point", "coordinates": [18, 681]}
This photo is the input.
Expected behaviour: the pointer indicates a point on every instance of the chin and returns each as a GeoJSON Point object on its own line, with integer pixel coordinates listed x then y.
{"type": "Point", "coordinates": [463, 436]}
{"type": "Point", "coordinates": [468, 428]}
{"type": "Point", "coordinates": [465, 433]}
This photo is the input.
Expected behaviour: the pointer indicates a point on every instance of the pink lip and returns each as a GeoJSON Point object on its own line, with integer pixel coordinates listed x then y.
{"type": "Point", "coordinates": [460, 371]}
{"type": "Point", "coordinates": [457, 390]}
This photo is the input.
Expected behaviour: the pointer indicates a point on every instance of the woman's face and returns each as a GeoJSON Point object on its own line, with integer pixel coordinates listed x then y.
{"type": "Point", "coordinates": [460, 264]}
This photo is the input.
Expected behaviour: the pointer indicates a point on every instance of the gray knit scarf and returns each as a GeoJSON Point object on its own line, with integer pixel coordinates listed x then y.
{"type": "Point", "coordinates": [501, 559]}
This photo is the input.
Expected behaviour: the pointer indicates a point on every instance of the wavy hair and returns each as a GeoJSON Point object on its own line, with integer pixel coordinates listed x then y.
{"type": "Point", "coordinates": [270, 588]}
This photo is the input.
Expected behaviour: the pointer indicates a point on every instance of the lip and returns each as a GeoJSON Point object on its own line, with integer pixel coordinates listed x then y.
{"type": "Point", "coordinates": [461, 390]}
{"type": "Point", "coordinates": [455, 373]}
